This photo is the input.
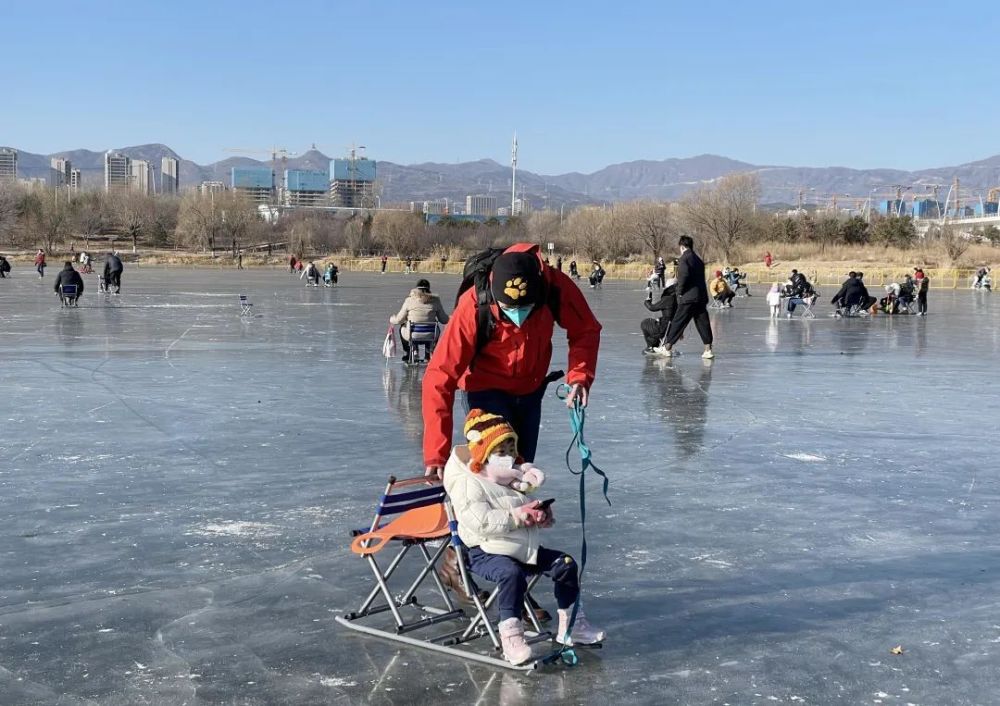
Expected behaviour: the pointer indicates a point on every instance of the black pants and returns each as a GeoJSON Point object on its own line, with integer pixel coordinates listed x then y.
{"type": "Point", "coordinates": [523, 412]}
{"type": "Point", "coordinates": [922, 303]}
{"type": "Point", "coordinates": [683, 316]}
{"type": "Point", "coordinates": [653, 330]}
{"type": "Point", "coordinates": [724, 297]}
{"type": "Point", "coordinates": [114, 280]}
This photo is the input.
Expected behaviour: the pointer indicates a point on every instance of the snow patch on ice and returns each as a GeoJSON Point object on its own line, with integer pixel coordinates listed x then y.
{"type": "Point", "coordinates": [808, 458]}
{"type": "Point", "coordinates": [236, 528]}
{"type": "Point", "coordinates": [337, 681]}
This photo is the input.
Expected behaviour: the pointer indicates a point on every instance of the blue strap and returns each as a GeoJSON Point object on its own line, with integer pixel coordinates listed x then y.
{"type": "Point", "coordinates": [577, 421]}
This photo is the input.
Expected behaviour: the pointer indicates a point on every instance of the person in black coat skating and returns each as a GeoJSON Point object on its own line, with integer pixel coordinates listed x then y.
{"type": "Point", "coordinates": [692, 299]}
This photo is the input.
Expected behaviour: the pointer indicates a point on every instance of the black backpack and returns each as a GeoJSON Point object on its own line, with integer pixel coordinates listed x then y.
{"type": "Point", "coordinates": [476, 273]}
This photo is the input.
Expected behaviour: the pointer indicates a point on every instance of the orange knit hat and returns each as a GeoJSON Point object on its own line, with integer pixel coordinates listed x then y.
{"type": "Point", "coordinates": [484, 432]}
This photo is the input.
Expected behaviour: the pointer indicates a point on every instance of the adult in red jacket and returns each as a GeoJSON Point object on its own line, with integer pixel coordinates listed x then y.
{"type": "Point", "coordinates": [507, 376]}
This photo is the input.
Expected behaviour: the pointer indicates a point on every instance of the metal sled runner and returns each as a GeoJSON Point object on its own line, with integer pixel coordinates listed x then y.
{"type": "Point", "coordinates": [427, 616]}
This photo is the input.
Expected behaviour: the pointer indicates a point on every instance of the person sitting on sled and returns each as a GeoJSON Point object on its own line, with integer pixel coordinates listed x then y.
{"type": "Point", "coordinates": [487, 481]}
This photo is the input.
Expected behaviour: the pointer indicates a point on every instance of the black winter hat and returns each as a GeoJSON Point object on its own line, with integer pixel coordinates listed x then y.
{"type": "Point", "coordinates": [517, 279]}
{"type": "Point", "coordinates": [424, 285]}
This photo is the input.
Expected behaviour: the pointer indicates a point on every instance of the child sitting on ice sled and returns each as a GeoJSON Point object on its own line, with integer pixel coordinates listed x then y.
{"type": "Point", "coordinates": [487, 481]}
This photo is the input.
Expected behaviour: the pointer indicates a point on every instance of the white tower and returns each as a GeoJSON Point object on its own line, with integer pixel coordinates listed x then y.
{"type": "Point", "coordinates": [513, 173]}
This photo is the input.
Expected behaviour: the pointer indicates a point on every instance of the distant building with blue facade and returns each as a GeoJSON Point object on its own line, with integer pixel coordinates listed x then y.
{"type": "Point", "coordinates": [892, 207]}
{"type": "Point", "coordinates": [927, 208]}
{"type": "Point", "coordinates": [352, 182]}
{"type": "Point", "coordinates": [256, 183]}
{"type": "Point", "coordinates": [306, 187]}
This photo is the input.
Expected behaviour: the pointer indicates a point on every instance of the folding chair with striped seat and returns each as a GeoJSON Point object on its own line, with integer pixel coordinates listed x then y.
{"type": "Point", "coordinates": [422, 336]}
{"type": "Point", "coordinates": [246, 308]}
{"type": "Point", "coordinates": [424, 515]}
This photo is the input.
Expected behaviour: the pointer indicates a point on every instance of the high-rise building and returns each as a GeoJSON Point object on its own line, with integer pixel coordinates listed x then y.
{"type": "Point", "coordinates": [256, 183]}
{"type": "Point", "coordinates": [8, 165]}
{"type": "Point", "coordinates": [117, 169]}
{"type": "Point", "coordinates": [352, 182]}
{"type": "Point", "coordinates": [60, 171]}
{"type": "Point", "coordinates": [169, 175]}
{"type": "Point", "coordinates": [141, 178]}
{"type": "Point", "coordinates": [75, 180]}
{"type": "Point", "coordinates": [304, 187]}
{"type": "Point", "coordinates": [521, 207]}
{"type": "Point", "coordinates": [481, 205]}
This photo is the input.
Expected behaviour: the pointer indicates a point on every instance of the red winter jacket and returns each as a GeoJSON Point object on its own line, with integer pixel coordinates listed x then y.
{"type": "Point", "coordinates": [516, 359]}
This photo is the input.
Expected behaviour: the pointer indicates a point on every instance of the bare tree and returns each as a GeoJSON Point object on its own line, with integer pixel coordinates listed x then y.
{"type": "Point", "coordinates": [357, 235]}
{"type": "Point", "coordinates": [55, 221]}
{"type": "Point", "coordinates": [132, 214]}
{"type": "Point", "coordinates": [400, 232]}
{"type": "Point", "coordinates": [8, 213]}
{"type": "Point", "coordinates": [303, 234]}
{"type": "Point", "coordinates": [585, 229]}
{"type": "Point", "coordinates": [651, 221]}
{"type": "Point", "coordinates": [954, 241]}
{"type": "Point", "coordinates": [723, 214]}
{"type": "Point", "coordinates": [91, 215]}
{"type": "Point", "coordinates": [199, 223]}
{"type": "Point", "coordinates": [239, 219]}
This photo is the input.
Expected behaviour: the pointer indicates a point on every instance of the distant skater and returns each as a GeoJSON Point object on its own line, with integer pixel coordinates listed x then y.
{"type": "Point", "coordinates": [113, 269]}
{"type": "Point", "coordinates": [40, 263]}
{"type": "Point", "coordinates": [385, 261]}
{"type": "Point", "coordinates": [4, 267]}
{"type": "Point", "coordinates": [923, 284]}
{"type": "Point", "coordinates": [660, 269]}
{"type": "Point", "coordinates": [692, 299]}
{"type": "Point", "coordinates": [239, 260]}
{"type": "Point", "coordinates": [768, 260]}
{"type": "Point", "coordinates": [774, 300]}
{"type": "Point", "coordinates": [573, 271]}
{"type": "Point", "coordinates": [312, 275]}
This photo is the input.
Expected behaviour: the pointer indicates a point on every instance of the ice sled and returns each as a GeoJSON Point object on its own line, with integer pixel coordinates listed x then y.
{"type": "Point", "coordinates": [424, 615]}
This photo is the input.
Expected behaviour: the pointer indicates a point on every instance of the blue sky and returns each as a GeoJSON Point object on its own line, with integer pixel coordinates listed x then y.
{"type": "Point", "coordinates": [859, 84]}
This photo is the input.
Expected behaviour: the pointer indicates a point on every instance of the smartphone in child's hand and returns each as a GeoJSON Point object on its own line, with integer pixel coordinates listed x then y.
{"type": "Point", "coordinates": [544, 505]}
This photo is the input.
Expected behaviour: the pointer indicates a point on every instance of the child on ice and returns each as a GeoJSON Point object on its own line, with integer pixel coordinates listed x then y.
{"type": "Point", "coordinates": [486, 481]}
{"type": "Point", "coordinates": [774, 300]}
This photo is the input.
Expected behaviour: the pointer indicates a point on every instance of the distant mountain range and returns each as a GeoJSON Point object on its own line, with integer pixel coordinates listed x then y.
{"type": "Point", "coordinates": [644, 179]}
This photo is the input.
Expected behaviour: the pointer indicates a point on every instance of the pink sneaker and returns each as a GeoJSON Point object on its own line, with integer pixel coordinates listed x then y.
{"type": "Point", "coordinates": [583, 632]}
{"type": "Point", "coordinates": [515, 649]}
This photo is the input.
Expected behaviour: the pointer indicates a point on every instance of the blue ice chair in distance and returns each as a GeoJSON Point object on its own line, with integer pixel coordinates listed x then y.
{"type": "Point", "coordinates": [422, 336]}
{"type": "Point", "coordinates": [69, 294]}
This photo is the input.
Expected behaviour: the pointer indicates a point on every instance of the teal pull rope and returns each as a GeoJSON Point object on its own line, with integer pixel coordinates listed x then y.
{"type": "Point", "coordinates": [577, 421]}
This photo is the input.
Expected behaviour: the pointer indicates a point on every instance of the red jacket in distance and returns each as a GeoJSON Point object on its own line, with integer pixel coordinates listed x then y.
{"type": "Point", "coordinates": [516, 359]}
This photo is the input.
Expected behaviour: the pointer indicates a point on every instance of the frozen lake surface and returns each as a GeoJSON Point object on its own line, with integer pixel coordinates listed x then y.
{"type": "Point", "coordinates": [176, 485]}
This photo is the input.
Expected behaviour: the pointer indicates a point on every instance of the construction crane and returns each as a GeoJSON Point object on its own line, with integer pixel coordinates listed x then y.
{"type": "Point", "coordinates": [275, 153]}
{"type": "Point", "coordinates": [799, 190]}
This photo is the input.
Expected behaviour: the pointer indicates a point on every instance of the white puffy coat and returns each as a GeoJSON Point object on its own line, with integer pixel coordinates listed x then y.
{"type": "Point", "coordinates": [484, 511]}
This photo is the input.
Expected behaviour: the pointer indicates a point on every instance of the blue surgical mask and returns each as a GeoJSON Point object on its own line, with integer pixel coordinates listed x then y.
{"type": "Point", "coordinates": [518, 314]}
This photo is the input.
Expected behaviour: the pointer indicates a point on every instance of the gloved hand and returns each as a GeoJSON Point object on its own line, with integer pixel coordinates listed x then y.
{"type": "Point", "coordinates": [531, 477]}
{"type": "Point", "coordinates": [528, 515]}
